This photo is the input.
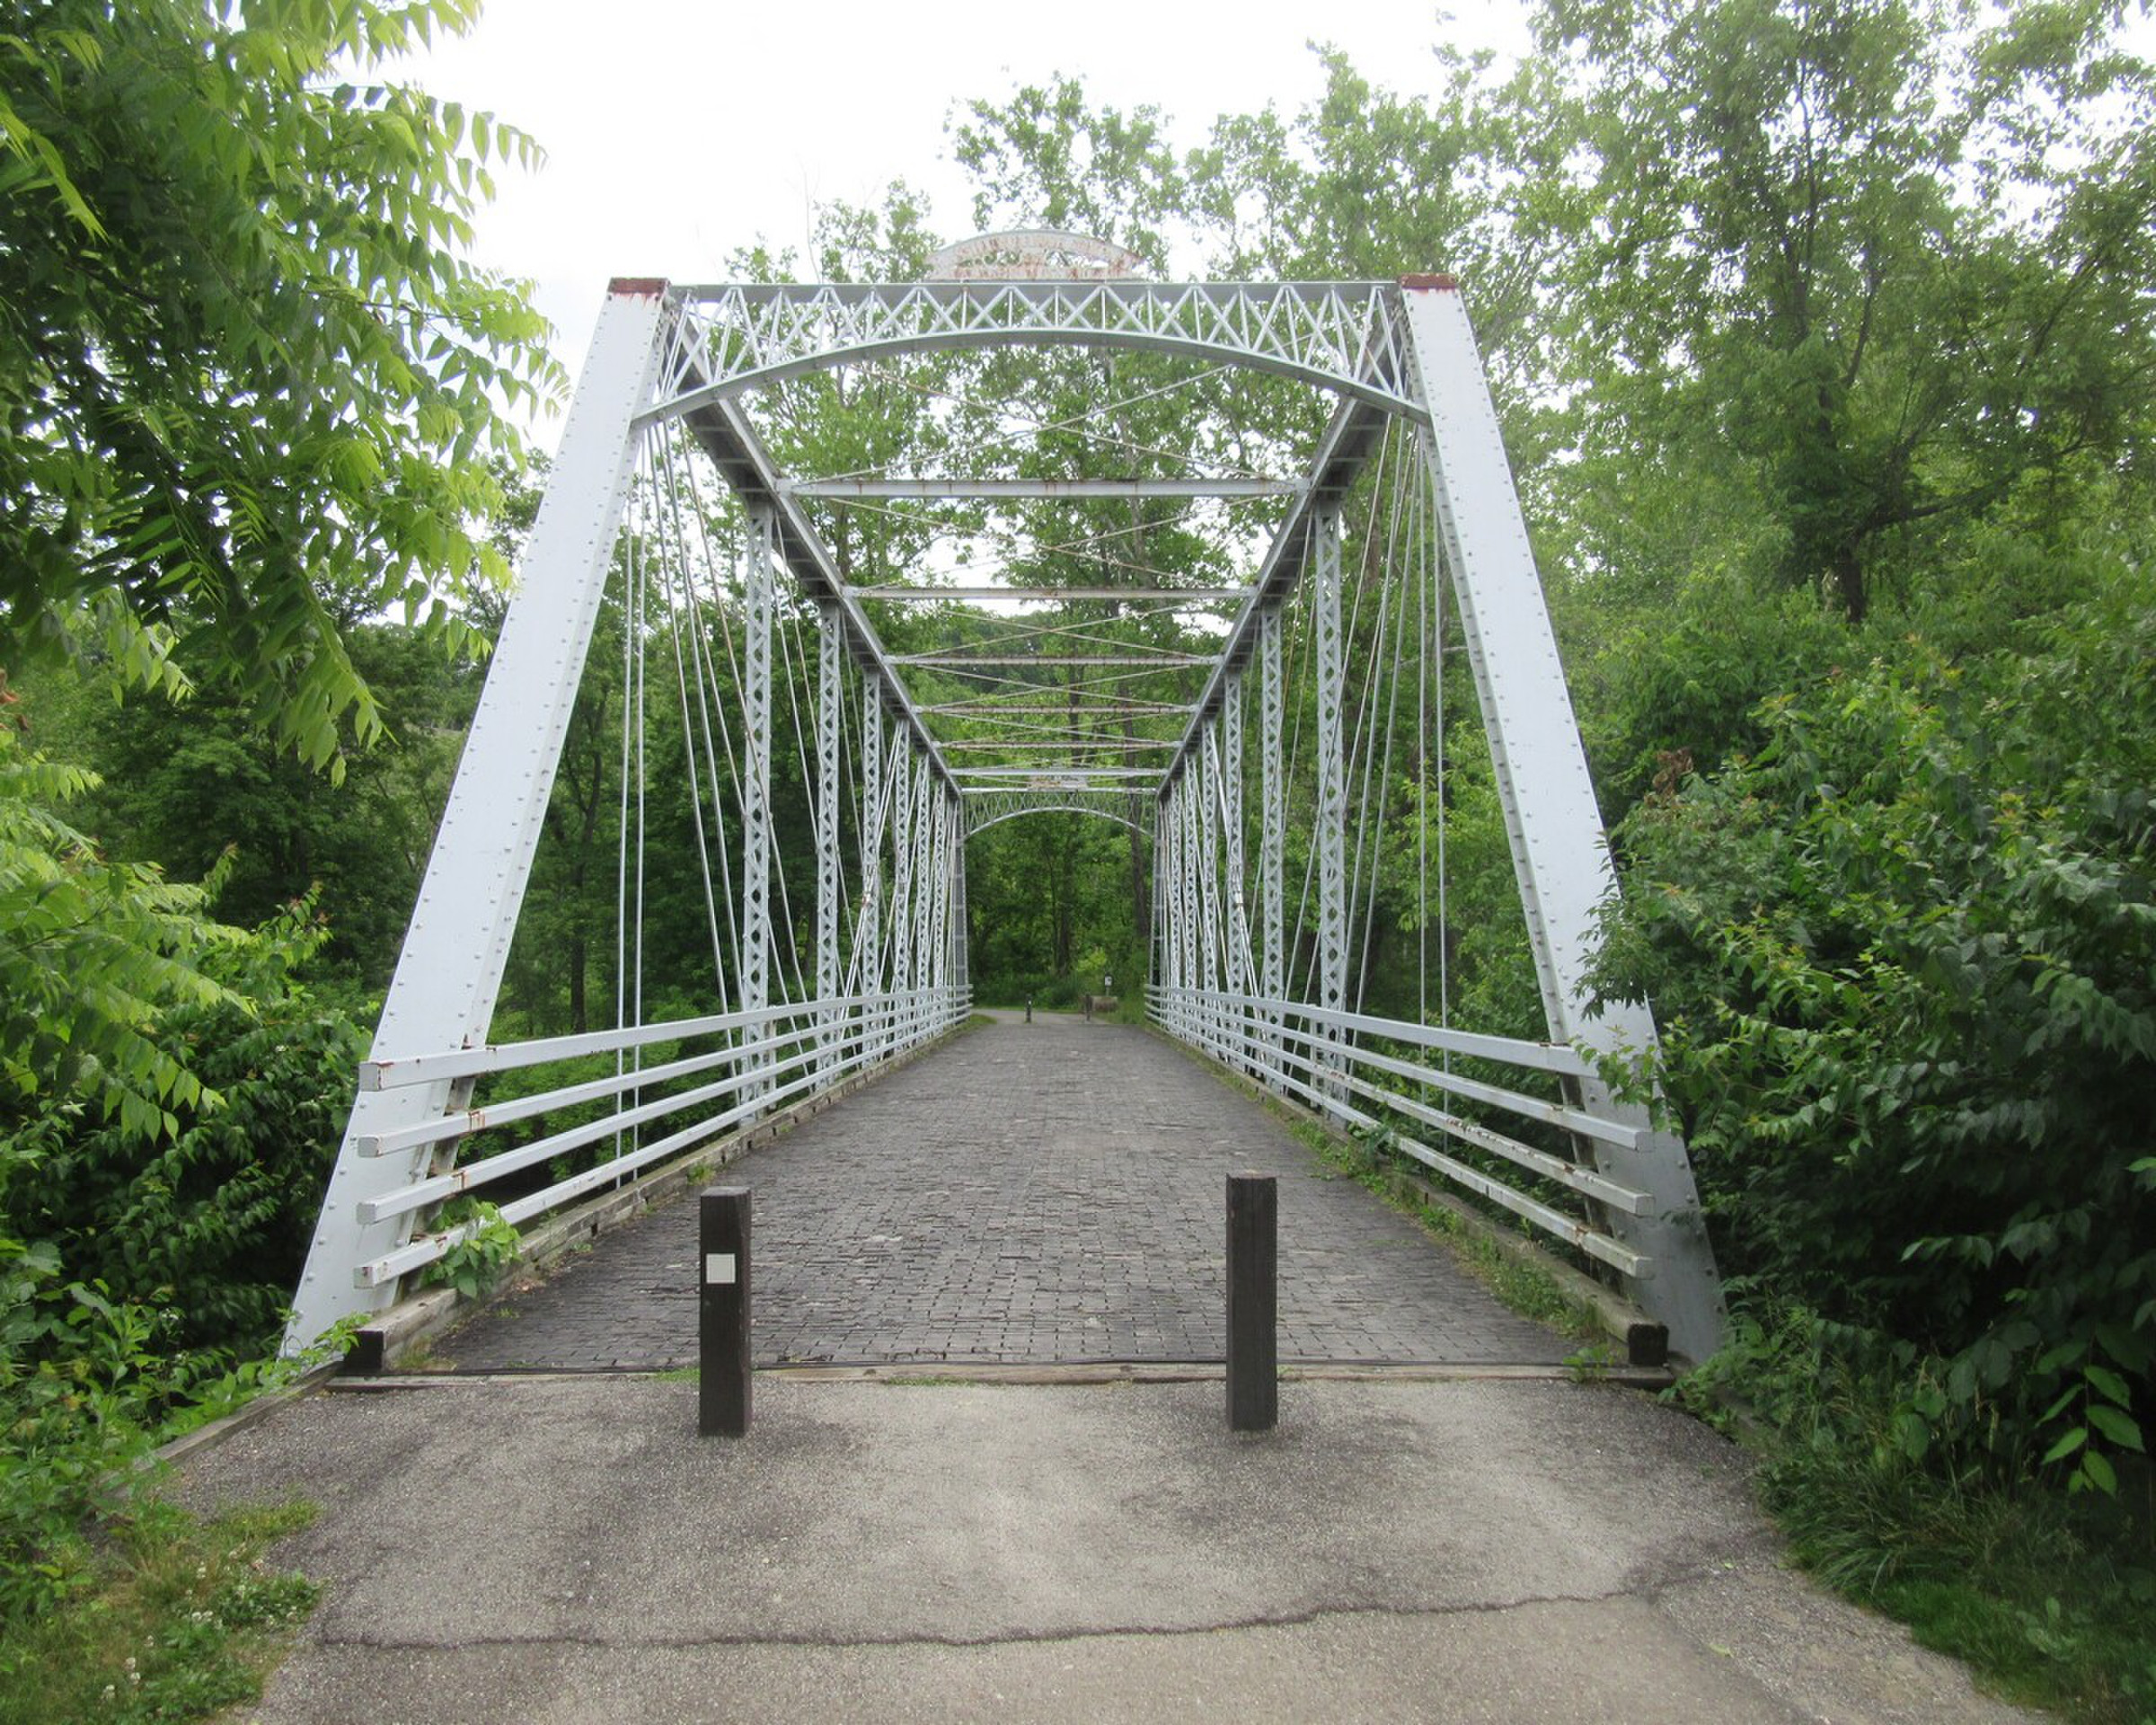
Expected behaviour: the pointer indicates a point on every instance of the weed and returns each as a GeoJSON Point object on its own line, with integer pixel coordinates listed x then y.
{"type": "Point", "coordinates": [179, 1618]}
{"type": "Point", "coordinates": [2050, 1596]}
{"type": "Point", "coordinates": [1591, 1364]}
{"type": "Point", "coordinates": [484, 1246]}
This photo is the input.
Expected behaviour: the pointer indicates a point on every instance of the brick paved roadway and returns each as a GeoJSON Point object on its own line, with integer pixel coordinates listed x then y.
{"type": "Point", "coordinates": [1039, 1193]}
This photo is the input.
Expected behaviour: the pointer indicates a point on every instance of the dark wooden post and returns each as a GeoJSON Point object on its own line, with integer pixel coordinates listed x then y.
{"type": "Point", "coordinates": [722, 1313]}
{"type": "Point", "coordinates": [1253, 1303]}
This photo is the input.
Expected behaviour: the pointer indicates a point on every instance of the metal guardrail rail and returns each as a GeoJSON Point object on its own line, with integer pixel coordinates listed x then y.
{"type": "Point", "coordinates": [1311, 1054]}
{"type": "Point", "coordinates": [766, 1059]}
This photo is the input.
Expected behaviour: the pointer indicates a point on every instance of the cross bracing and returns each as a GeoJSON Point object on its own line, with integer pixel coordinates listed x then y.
{"type": "Point", "coordinates": [892, 564]}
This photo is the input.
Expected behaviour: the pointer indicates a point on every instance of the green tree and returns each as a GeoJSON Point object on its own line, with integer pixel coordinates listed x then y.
{"type": "Point", "coordinates": [185, 781]}
{"type": "Point", "coordinates": [1858, 270]}
{"type": "Point", "coordinates": [1904, 958]}
{"type": "Point", "coordinates": [250, 387]}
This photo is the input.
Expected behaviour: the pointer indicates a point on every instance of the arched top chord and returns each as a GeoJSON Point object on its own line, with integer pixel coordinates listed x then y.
{"type": "Point", "coordinates": [1348, 337]}
{"type": "Point", "coordinates": [992, 809]}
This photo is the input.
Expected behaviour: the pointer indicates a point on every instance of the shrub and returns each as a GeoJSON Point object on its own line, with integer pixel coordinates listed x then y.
{"type": "Point", "coordinates": [1905, 958]}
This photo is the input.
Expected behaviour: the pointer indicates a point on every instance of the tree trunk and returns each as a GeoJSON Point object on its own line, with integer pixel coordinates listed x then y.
{"type": "Point", "coordinates": [1848, 582]}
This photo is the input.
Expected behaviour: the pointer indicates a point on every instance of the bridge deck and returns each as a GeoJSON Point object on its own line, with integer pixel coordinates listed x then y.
{"type": "Point", "coordinates": [1031, 1194]}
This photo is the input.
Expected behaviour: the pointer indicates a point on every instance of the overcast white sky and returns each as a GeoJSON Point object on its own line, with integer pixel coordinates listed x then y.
{"type": "Point", "coordinates": [676, 132]}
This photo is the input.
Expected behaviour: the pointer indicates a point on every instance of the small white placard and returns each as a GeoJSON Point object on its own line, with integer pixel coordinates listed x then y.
{"type": "Point", "coordinates": [719, 1269]}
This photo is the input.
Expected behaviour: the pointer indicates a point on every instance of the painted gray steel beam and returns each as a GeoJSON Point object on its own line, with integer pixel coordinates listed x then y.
{"type": "Point", "coordinates": [925, 883]}
{"type": "Point", "coordinates": [1060, 774]}
{"type": "Point", "coordinates": [1187, 795]}
{"type": "Point", "coordinates": [1110, 745]}
{"type": "Point", "coordinates": [1208, 876]}
{"type": "Point", "coordinates": [902, 867]}
{"type": "Point", "coordinates": [867, 925]}
{"type": "Point", "coordinates": [830, 694]}
{"type": "Point", "coordinates": [1341, 336]}
{"type": "Point", "coordinates": [1238, 927]}
{"type": "Point", "coordinates": [757, 606]}
{"type": "Point", "coordinates": [984, 806]}
{"type": "Point", "coordinates": [1272, 981]}
{"type": "Point", "coordinates": [1560, 853]}
{"type": "Point", "coordinates": [955, 967]}
{"type": "Point", "coordinates": [1331, 819]}
{"type": "Point", "coordinates": [992, 488]}
{"type": "Point", "coordinates": [1092, 707]}
{"type": "Point", "coordinates": [448, 973]}
{"type": "Point", "coordinates": [1189, 596]}
{"type": "Point", "coordinates": [1165, 662]}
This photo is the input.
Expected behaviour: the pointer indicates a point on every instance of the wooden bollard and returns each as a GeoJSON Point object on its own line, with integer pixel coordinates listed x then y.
{"type": "Point", "coordinates": [1253, 1303]}
{"type": "Point", "coordinates": [722, 1336]}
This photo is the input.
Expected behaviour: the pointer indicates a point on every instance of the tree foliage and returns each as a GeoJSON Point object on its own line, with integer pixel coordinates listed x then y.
{"type": "Point", "coordinates": [1906, 961]}
{"type": "Point", "coordinates": [250, 383]}
{"type": "Point", "coordinates": [1879, 265]}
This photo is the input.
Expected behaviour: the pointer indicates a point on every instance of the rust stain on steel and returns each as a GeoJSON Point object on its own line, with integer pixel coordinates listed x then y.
{"type": "Point", "coordinates": [641, 287]}
{"type": "Point", "coordinates": [1429, 282]}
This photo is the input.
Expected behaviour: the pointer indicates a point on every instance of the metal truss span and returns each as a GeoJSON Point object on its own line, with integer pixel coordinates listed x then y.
{"type": "Point", "coordinates": [1343, 336]}
{"type": "Point", "coordinates": [1287, 768]}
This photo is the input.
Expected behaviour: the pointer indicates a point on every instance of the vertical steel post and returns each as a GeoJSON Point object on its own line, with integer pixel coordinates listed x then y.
{"type": "Point", "coordinates": [867, 928]}
{"type": "Point", "coordinates": [1560, 852]}
{"type": "Point", "coordinates": [1332, 821]}
{"type": "Point", "coordinates": [1163, 921]}
{"type": "Point", "coordinates": [1169, 907]}
{"type": "Point", "coordinates": [938, 950]}
{"type": "Point", "coordinates": [961, 950]}
{"type": "Point", "coordinates": [1272, 791]}
{"type": "Point", "coordinates": [757, 604]}
{"type": "Point", "coordinates": [902, 886]}
{"type": "Point", "coordinates": [1230, 827]}
{"type": "Point", "coordinates": [1193, 978]}
{"type": "Point", "coordinates": [1209, 885]}
{"type": "Point", "coordinates": [830, 687]}
{"type": "Point", "coordinates": [449, 970]}
{"type": "Point", "coordinates": [924, 889]}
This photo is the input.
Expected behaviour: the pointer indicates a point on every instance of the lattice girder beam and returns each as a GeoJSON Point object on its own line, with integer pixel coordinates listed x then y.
{"type": "Point", "coordinates": [902, 867]}
{"type": "Point", "coordinates": [1339, 336]}
{"type": "Point", "coordinates": [1331, 819]}
{"type": "Point", "coordinates": [1272, 789]}
{"type": "Point", "coordinates": [868, 923]}
{"type": "Point", "coordinates": [830, 697]}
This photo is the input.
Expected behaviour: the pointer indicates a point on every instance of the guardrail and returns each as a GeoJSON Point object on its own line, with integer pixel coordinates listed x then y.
{"type": "Point", "coordinates": [1311, 1054]}
{"type": "Point", "coordinates": [763, 1061]}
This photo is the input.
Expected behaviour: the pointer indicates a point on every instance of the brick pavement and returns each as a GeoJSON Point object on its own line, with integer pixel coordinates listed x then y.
{"type": "Point", "coordinates": [1030, 1194]}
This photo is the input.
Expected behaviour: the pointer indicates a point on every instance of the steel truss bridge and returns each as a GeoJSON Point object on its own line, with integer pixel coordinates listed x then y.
{"type": "Point", "coordinates": [853, 551]}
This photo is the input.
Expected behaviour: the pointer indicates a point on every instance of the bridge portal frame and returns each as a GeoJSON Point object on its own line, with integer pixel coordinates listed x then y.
{"type": "Point", "coordinates": [1386, 351]}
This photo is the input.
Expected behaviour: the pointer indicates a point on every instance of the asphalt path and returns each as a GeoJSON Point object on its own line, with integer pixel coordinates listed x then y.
{"type": "Point", "coordinates": [565, 1549]}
